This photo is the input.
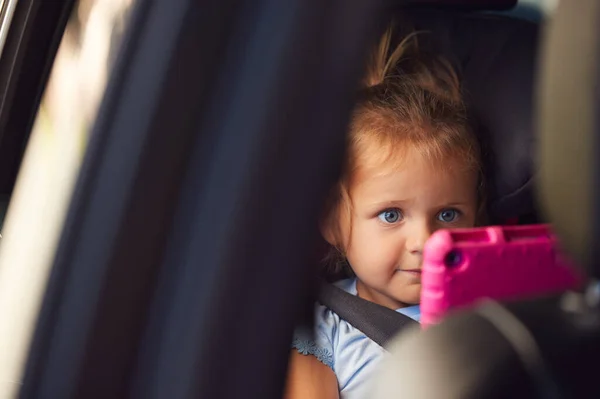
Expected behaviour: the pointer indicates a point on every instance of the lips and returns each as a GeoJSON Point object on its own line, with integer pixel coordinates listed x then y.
{"type": "Point", "coordinates": [414, 272]}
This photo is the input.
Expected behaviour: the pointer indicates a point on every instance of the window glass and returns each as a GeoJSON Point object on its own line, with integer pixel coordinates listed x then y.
{"type": "Point", "coordinates": [7, 9]}
{"type": "Point", "coordinates": [45, 183]}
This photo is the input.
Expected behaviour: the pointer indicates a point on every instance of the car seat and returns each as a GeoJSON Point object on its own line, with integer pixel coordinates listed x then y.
{"type": "Point", "coordinates": [542, 348]}
{"type": "Point", "coordinates": [495, 56]}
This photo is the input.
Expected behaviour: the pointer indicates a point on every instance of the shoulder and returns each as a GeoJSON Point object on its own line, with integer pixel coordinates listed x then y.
{"type": "Point", "coordinates": [321, 341]}
{"type": "Point", "coordinates": [324, 339]}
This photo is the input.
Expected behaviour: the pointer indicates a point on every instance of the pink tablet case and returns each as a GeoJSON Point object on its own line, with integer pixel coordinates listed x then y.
{"type": "Point", "coordinates": [463, 266]}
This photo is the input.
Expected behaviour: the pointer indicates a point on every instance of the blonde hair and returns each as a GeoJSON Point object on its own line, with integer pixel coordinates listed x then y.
{"type": "Point", "coordinates": [408, 101]}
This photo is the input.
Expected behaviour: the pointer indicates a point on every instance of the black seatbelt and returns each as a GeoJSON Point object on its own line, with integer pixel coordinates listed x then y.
{"type": "Point", "coordinates": [375, 321]}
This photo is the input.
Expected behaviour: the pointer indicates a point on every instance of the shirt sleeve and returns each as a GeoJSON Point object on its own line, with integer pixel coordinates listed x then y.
{"type": "Point", "coordinates": [319, 343]}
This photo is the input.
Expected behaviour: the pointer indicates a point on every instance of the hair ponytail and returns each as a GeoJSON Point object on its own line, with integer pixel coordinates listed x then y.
{"type": "Point", "coordinates": [406, 63]}
{"type": "Point", "coordinates": [381, 62]}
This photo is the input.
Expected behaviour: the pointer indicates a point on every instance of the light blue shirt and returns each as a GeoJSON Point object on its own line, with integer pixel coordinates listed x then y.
{"type": "Point", "coordinates": [351, 355]}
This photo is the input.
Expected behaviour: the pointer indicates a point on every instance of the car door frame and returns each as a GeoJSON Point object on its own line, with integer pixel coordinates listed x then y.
{"type": "Point", "coordinates": [185, 260]}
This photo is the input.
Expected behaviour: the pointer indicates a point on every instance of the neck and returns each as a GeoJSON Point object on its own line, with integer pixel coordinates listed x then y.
{"type": "Point", "coordinates": [377, 297]}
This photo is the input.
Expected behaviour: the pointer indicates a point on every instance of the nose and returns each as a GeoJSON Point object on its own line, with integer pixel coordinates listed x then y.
{"type": "Point", "coordinates": [419, 233]}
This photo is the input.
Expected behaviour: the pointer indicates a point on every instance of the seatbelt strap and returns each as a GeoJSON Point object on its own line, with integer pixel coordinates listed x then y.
{"type": "Point", "coordinates": [375, 321]}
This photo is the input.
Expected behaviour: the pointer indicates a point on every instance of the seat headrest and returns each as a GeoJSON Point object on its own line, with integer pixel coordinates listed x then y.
{"type": "Point", "coordinates": [467, 4]}
{"type": "Point", "coordinates": [495, 56]}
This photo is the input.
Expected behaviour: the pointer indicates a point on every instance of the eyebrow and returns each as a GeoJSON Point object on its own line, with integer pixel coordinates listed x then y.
{"type": "Point", "coordinates": [455, 204]}
{"type": "Point", "coordinates": [389, 204]}
{"type": "Point", "coordinates": [399, 203]}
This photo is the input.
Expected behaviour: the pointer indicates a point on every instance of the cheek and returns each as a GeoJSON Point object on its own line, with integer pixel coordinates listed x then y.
{"type": "Point", "coordinates": [373, 249]}
{"type": "Point", "coordinates": [473, 216]}
{"type": "Point", "coordinates": [468, 220]}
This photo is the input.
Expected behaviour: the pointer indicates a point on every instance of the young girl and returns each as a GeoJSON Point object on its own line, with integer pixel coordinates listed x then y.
{"type": "Point", "coordinates": [412, 167]}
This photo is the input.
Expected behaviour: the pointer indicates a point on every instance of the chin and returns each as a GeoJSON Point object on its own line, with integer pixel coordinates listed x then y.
{"type": "Point", "coordinates": [411, 298]}
{"type": "Point", "coordinates": [412, 301]}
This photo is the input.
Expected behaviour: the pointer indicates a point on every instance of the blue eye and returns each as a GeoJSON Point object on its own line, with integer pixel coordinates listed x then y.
{"type": "Point", "coordinates": [390, 216]}
{"type": "Point", "coordinates": [448, 215]}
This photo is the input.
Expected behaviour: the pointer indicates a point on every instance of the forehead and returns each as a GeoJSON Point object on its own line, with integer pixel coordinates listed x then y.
{"type": "Point", "coordinates": [416, 178]}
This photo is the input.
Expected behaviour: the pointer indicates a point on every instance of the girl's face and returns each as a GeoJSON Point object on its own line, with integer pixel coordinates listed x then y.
{"type": "Point", "coordinates": [394, 211]}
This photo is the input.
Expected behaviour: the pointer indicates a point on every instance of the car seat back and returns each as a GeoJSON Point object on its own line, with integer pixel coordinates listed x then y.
{"type": "Point", "coordinates": [496, 58]}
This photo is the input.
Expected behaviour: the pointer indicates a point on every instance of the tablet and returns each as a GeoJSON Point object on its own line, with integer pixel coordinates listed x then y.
{"type": "Point", "coordinates": [463, 266]}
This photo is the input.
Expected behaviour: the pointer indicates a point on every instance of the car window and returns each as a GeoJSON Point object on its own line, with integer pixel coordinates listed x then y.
{"type": "Point", "coordinates": [49, 169]}
{"type": "Point", "coordinates": [7, 9]}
